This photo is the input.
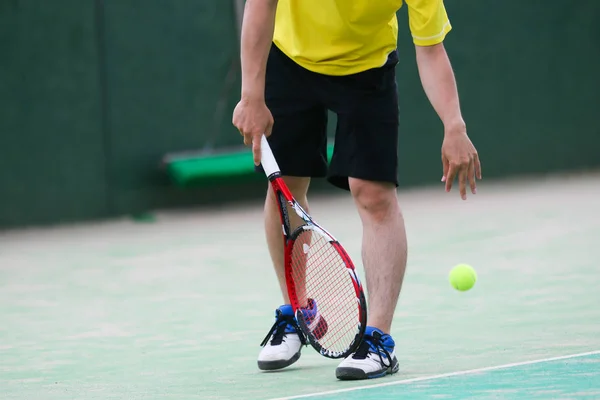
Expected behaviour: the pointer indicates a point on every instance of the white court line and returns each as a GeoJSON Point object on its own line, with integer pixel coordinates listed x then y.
{"type": "Point", "coordinates": [426, 378]}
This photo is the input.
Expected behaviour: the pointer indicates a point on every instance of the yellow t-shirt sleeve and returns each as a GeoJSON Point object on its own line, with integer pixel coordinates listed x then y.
{"type": "Point", "coordinates": [428, 21]}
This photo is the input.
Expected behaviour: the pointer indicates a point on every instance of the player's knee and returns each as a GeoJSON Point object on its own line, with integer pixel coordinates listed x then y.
{"type": "Point", "coordinates": [374, 200]}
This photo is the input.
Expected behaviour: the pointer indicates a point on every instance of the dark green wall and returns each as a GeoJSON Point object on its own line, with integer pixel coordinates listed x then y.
{"type": "Point", "coordinates": [94, 92]}
{"type": "Point", "coordinates": [51, 146]}
{"type": "Point", "coordinates": [529, 88]}
{"type": "Point", "coordinates": [167, 64]}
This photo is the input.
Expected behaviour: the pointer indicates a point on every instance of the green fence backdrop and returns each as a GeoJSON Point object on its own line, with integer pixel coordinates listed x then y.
{"type": "Point", "coordinates": [94, 92]}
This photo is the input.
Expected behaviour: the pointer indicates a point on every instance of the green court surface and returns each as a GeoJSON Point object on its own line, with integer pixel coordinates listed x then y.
{"type": "Point", "coordinates": [573, 376]}
{"type": "Point", "coordinates": [176, 309]}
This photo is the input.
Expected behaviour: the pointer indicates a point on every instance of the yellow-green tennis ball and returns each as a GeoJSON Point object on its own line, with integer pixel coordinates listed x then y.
{"type": "Point", "coordinates": [462, 277]}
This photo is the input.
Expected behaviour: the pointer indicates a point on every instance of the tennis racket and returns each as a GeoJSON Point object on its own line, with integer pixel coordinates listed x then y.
{"type": "Point", "coordinates": [324, 289]}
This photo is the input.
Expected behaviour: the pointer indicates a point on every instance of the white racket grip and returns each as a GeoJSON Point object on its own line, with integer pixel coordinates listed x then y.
{"type": "Point", "coordinates": [267, 159]}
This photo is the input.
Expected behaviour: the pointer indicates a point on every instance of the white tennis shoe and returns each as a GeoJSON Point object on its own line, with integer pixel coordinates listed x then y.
{"type": "Point", "coordinates": [282, 345]}
{"type": "Point", "coordinates": [374, 358]}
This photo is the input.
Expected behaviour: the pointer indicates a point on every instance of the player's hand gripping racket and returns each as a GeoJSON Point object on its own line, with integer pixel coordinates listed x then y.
{"type": "Point", "coordinates": [324, 289]}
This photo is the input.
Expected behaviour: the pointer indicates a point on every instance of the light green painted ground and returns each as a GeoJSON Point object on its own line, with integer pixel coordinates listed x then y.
{"type": "Point", "coordinates": [177, 309]}
{"type": "Point", "coordinates": [574, 378]}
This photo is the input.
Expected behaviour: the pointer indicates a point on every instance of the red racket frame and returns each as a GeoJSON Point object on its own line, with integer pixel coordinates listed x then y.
{"type": "Point", "coordinates": [284, 197]}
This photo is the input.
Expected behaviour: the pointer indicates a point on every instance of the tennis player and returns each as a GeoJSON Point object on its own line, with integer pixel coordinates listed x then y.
{"type": "Point", "coordinates": [301, 58]}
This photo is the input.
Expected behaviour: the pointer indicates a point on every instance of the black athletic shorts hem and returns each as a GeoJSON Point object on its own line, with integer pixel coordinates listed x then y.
{"type": "Point", "coordinates": [366, 137]}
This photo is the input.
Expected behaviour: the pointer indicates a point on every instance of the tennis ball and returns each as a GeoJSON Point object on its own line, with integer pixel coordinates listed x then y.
{"type": "Point", "coordinates": [462, 277]}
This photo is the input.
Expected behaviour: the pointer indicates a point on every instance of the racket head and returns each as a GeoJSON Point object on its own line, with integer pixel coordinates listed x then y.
{"type": "Point", "coordinates": [325, 292]}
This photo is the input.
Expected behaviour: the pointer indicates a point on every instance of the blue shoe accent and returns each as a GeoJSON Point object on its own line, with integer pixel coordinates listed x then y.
{"type": "Point", "coordinates": [385, 340]}
{"type": "Point", "coordinates": [311, 315]}
{"type": "Point", "coordinates": [310, 311]}
{"type": "Point", "coordinates": [286, 310]}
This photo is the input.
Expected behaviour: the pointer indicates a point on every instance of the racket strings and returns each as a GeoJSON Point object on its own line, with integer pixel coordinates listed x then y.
{"type": "Point", "coordinates": [320, 273]}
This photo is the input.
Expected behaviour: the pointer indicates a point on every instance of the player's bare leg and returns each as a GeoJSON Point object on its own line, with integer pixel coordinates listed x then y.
{"type": "Point", "coordinates": [384, 248]}
{"type": "Point", "coordinates": [384, 258]}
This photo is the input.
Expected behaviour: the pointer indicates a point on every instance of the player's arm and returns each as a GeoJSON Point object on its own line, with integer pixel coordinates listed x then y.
{"type": "Point", "coordinates": [251, 115]}
{"type": "Point", "coordinates": [257, 35]}
{"type": "Point", "coordinates": [439, 85]}
{"type": "Point", "coordinates": [459, 156]}
{"type": "Point", "coordinates": [429, 25]}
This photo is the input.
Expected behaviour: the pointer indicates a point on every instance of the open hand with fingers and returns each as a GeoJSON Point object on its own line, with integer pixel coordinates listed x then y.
{"type": "Point", "coordinates": [460, 160]}
{"type": "Point", "coordinates": [253, 119]}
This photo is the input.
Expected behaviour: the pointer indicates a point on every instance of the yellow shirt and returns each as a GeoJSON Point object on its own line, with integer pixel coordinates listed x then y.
{"type": "Point", "coordinates": [343, 37]}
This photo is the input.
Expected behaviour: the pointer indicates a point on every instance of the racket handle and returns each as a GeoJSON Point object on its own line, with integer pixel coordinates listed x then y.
{"type": "Point", "coordinates": [266, 157]}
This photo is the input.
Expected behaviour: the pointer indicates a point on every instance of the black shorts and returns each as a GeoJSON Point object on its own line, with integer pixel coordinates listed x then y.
{"type": "Point", "coordinates": [366, 138]}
